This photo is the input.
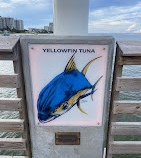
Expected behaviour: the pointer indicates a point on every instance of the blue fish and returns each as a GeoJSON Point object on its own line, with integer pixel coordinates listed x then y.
{"type": "Point", "coordinates": [64, 91]}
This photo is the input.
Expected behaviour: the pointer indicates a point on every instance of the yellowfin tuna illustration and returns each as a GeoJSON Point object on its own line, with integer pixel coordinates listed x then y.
{"type": "Point", "coordinates": [65, 91]}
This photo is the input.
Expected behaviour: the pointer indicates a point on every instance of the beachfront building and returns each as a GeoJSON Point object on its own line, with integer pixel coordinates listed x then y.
{"type": "Point", "coordinates": [49, 28]}
{"type": "Point", "coordinates": [46, 28]}
{"type": "Point", "coordinates": [2, 23]}
{"type": "Point", "coordinates": [18, 24]}
{"type": "Point", "coordinates": [35, 30]}
{"type": "Point", "coordinates": [8, 22]}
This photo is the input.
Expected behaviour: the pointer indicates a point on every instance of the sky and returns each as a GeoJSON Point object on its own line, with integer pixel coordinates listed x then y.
{"type": "Point", "coordinates": [105, 16]}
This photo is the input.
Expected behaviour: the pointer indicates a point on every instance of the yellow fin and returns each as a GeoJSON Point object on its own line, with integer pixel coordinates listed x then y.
{"type": "Point", "coordinates": [78, 105]}
{"type": "Point", "coordinates": [71, 65]}
{"type": "Point", "coordinates": [87, 66]}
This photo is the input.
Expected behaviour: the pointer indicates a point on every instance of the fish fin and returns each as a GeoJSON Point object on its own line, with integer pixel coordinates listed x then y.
{"type": "Point", "coordinates": [93, 87]}
{"type": "Point", "coordinates": [87, 66]}
{"type": "Point", "coordinates": [71, 65]}
{"type": "Point", "coordinates": [78, 105]}
{"type": "Point", "coordinates": [93, 90]}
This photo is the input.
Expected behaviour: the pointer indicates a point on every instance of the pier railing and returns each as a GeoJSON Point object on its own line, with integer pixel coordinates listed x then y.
{"type": "Point", "coordinates": [10, 50]}
{"type": "Point", "coordinates": [127, 53]}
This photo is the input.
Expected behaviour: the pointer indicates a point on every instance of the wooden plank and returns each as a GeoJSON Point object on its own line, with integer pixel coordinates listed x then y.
{"type": "Point", "coordinates": [130, 48]}
{"type": "Point", "coordinates": [127, 107]}
{"type": "Point", "coordinates": [128, 84]}
{"type": "Point", "coordinates": [21, 94]}
{"type": "Point", "coordinates": [114, 96]}
{"type": "Point", "coordinates": [10, 81]}
{"type": "Point", "coordinates": [127, 55]}
{"type": "Point", "coordinates": [5, 156]}
{"type": "Point", "coordinates": [10, 104]}
{"type": "Point", "coordinates": [126, 128]}
{"type": "Point", "coordinates": [11, 125]}
{"type": "Point", "coordinates": [7, 56]}
{"type": "Point", "coordinates": [125, 147]}
{"type": "Point", "coordinates": [8, 43]}
{"type": "Point", "coordinates": [12, 144]}
{"type": "Point", "coordinates": [130, 60]}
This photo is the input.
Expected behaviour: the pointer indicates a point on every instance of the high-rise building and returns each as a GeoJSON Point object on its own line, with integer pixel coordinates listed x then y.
{"type": "Point", "coordinates": [50, 27]}
{"type": "Point", "coordinates": [18, 24]}
{"type": "Point", "coordinates": [46, 28]}
{"type": "Point", "coordinates": [2, 23]}
{"type": "Point", "coordinates": [8, 22]}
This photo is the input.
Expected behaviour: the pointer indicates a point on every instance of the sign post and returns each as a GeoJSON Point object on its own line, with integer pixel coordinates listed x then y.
{"type": "Point", "coordinates": [70, 17]}
{"type": "Point", "coordinates": [67, 89]}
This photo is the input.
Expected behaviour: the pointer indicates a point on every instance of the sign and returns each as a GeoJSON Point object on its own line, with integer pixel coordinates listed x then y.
{"type": "Point", "coordinates": [67, 138]}
{"type": "Point", "coordinates": [68, 83]}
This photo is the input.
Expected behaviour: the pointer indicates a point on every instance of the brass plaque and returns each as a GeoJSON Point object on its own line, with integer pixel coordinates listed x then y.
{"type": "Point", "coordinates": [67, 138]}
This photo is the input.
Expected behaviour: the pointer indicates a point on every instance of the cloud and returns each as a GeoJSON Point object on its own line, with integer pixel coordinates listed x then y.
{"type": "Point", "coordinates": [32, 4]}
{"type": "Point", "coordinates": [137, 31]}
{"type": "Point", "coordinates": [31, 11]}
{"type": "Point", "coordinates": [115, 19]}
{"type": "Point", "coordinates": [119, 22]}
{"type": "Point", "coordinates": [4, 4]}
{"type": "Point", "coordinates": [131, 27]}
{"type": "Point", "coordinates": [105, 15]}
{"type": "Point", "coordinates": [99, 4]}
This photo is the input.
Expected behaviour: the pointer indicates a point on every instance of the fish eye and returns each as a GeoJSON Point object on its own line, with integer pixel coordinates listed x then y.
{"type": "Point", "coordinates": [65, 106]}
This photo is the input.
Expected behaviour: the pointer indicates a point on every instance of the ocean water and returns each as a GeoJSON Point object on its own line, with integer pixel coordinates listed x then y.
{"type": "Point", "coordinates": [6, 67]}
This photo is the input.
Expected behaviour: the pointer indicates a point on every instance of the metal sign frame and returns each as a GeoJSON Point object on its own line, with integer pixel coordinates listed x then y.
{"type": "Point", "coordinates": [44, 137]}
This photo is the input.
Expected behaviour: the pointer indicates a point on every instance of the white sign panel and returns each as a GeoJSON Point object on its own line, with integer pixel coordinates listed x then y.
{"type": "Point", "coordinates": [68, 83]}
